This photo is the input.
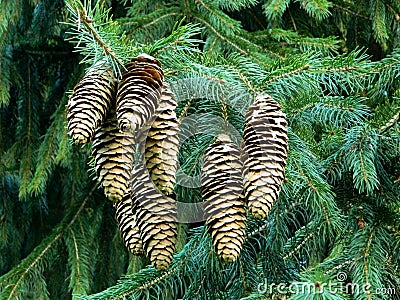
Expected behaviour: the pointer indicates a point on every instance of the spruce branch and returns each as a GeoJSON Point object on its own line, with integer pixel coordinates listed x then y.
{"type": "Point", "coordinates": [81, 240]}
{"type": "Point", "coordinates": [368, 269]}
{"type": "Point", "coordinates": [27, 128]}
{"type": "Point", "coordinates": [274, 9]}
{"type": "Point", "coordinates": [220, 36]}
{"type": "Point", "coordinates": [315, 192]}
{"type": "Point", "coordinates": [289, 39]}
{"type": "Point", "coordinates": [82, 18]}
{"type": "Point", "coordinates": [366, 255]}
{"type": "Point", "coordinates": [5, 69]}
{"type": "Point", "coordinates": [257, 231]}
{"type": "Point", "coordinates": [329, 111]}
{"type": "Point", "coordinates": [395, 12]}
{"type": "Point", "coordinates": [186, 108]}
{"type": "Point", "coordinates": [379, 69]}
{"type": "Point", "coordinates": [343, 69]}
{"type": "Point", "coordinates": [318, 9]}
{"type": "Point", "coordinates": [12, 281]}
{"type": "Point", "coordinates": [340, 266]}
{"type": "Point", "coordinates": [53, 150]}
{"type": "Point", "coordinates": [11, 12]}
{"type": "Point", "coordinates": [300, 240]}
{"type": "Point", "coordinates": [142, 282]}
{"type": "Point", "coordinates": [25, 171]}
{"type": "Point", "coordinates": [244, 78]}
{"type": "Point", "coordinates": [47, 151]}
{"type": "Point", "coordinates": [230, 41]}
{"type": "Point", "coordinates": [379, 25]}
{"type": "Point", "coordinates": [76, 278]}
{"type": "Point", "coordinates": [392, 122]}
{"type": "Point", "coordinates": [303, 68]}
{"type": "Point", "coordinates": [223, 22]}
{"type": "Point", "coordinates": [351, 12]}
{"type": "Point", "coordinates": [260, 49]}
{"type": "Point", "coordinates": [53, 52]}
{"type": "Point", "coordinates": [359, 155]}
{"type": "Point", "coordinates": [37, 183]}
{"type": "Point", "coordinates": [178, 43]}
{"type": "Point", "coordinates": [98, 33]}
{"type": "Point", "coordinates": [156, 23]}
{"type": "Point", "coordinates": [232, 5]}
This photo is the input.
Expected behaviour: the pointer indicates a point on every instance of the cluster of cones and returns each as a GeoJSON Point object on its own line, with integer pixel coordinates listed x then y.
{"type": "Point", "coordinates": [133, 128]}
{"type": "Point", "coordinates": [248, 177]}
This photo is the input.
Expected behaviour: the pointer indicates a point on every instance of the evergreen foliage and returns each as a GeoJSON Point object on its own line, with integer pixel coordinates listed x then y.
{"type": "Point", "coordinates": [331, 65]}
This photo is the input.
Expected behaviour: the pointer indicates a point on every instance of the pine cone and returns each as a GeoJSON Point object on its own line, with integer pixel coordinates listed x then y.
{"type": "Point", "coordinates": [222, 187]}
{"type": "Point", "coordinates": [139, 91]}
{"type": "Point", "coordinates": [125, 215]}
{"type": "Point", "coordinates": [113, 153]}
{"type": "Point", "coordinates": [162, 144]}
{"type": "Point", "coordinates": [265, 146]}
{"type": "Point", "coordinates": [156, 219]}
{"type": "Point", "coordinates": [89, 103]}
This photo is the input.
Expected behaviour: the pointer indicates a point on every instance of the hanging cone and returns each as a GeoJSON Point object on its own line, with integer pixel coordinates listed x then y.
{"type": "Point", "coordinates": [138, 92]}
{"type": "Point", "coordinates": [125, 215]}
{"type": "Point", "coordinates": [265, 146]}
{"type": "Point", "coordinates": [222, 187]}
{"type": "Point", "coordinates": [89, 103]}
{"type": "Point", "coordinates": [156, 218]}
{"type": "Point", "coordinates": [113, 153]}
{"type": "Point", "coordinates": [162, 144]}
